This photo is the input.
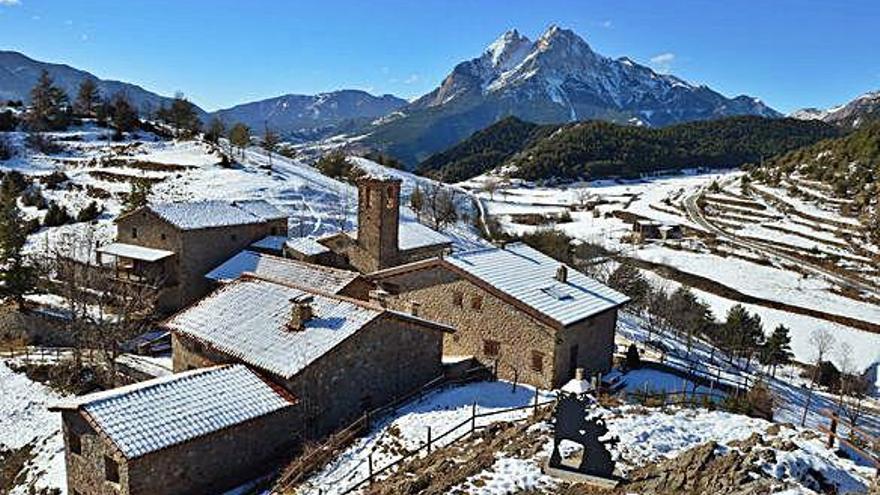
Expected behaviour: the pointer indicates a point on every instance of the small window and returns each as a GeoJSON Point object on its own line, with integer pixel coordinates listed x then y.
{"type": "Point", "coordinates": [457, 298]}
{"type": "Point", "coordinates": [163, 236]}
{"type": "Point", "coordinates": [74, 442]}
{"type": "Point", "coordinates": [538, 361]}
{"type": "Point", "coordinates": [273, 231]}
{"type": "Point", "coordinates": [234, 237]}
{"type": "Point", "coordinates": [111, 470]}
{"type": "Point", "coordinates": [134, 233]}
{"type": "Point", "coordinates": [491, 348]}
{"type": "Point", "coordinates": [477, 303]}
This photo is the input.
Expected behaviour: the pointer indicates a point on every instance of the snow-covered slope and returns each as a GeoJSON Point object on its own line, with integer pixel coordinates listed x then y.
{"type": "Point", "coordinates": [852, 114]}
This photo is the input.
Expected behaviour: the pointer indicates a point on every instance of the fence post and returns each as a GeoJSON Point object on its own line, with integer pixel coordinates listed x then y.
{"type": "Point", "coordinates": [429, 439]}
{"type": "Point", "coordinates": [535, 408]}
{"type": "Point", "coordinates": [515, 380]}
{"type": "Point", "coordinates": [473, 417]}
{"type": "Point", "coordinates": [832, 430]}
{"type": "Point", "coordinates": [370, 466]}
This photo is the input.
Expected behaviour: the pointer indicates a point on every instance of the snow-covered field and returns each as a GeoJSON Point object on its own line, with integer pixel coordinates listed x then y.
{"type": "Point", "coordinates": [663, 199]}
{"type": "Point", "coordinates": [25, 420]}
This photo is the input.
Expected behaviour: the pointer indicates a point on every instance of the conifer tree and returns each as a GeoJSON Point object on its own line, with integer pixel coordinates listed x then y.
{"type": "Point", "coordinates": [270, 142]}
{"type": "Point", "coordinates": [216, 130]}
{"type": "Point", "coordinates": [49, 106]}
{"type": "Point", "coordinates": [87, 98]}
{"type": "Point", "coordinates": [240, 136]}
{"type": "Point", "coordinates": [17, 277]}
{"type": "Point", "coordinates": [138, 196]}
{"type": "Point", "coordinates": [777, 349]}
{"type": "Point", "coordinates": [123, 114]}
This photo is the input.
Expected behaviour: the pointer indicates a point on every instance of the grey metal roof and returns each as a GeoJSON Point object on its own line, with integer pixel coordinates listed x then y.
{"type": "Point", "coordinates": [307, 246]}
{"type": "Point", "coordinates": [190, 215]}
{"type": "Point", "coordinates": [528, 276]}
{"type": "Point", "coordinates": [271, 243]}
{"type": "Point", "coordinates": [284, 270]}
{"type": "Point", "coordinates": [132, 251]}
{"type": "Point", "coordinates": [248, 319]}
{"type": "Point", "coordinates": [155, 414]}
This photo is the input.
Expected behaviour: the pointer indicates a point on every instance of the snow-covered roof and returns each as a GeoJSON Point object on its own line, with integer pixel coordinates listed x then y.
{"type": "Point", "coordinates": [413, 235]}
{"type": "Point", "coordinates": [271, 243]}
{"type": "Point", "coordinates": [159, 413]}
{"type": "Point", "coordinates": [307, 246]}
{"type": "Point", "coordinates": [528, 276]}
{"type": "Point", "coordinates": [248, 319]}
{"type": "Point", "coordinates": [283, 270]}
{"type": "Point", "coordinates": [190, 215]}
{"type": "Point", "coordinates": [132, 251]}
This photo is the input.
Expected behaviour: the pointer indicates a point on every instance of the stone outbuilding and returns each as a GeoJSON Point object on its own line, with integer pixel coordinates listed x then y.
{"type": "Point", "coordinates": [515, 309]}
{"type": "Point", "coordinates": [173, 245]}
{"type": "Point", "coordinates": [203, 431]}
{"type": "Point", "coordinates": [340, 357]}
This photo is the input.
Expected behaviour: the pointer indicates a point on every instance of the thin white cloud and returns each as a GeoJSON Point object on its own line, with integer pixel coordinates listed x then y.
{"type": "Point", "coordinates": [412, 79]}
{"type": "Point", "coordinates": [84, 37]}
{"type": "Point", "coordinates": [663, 61]}
{"type": "Point", "coordinates": [607, 24]}
{"type": "Point", "coordinates": [10, 2]}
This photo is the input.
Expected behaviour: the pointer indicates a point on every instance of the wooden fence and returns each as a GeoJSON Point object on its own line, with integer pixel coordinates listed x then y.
{"type": "Point", "coordinates": [45, 355]}
{"type": "Point", "coordinates": [864, 444]}
{"type": "Point", "coordinates": [317, 457]}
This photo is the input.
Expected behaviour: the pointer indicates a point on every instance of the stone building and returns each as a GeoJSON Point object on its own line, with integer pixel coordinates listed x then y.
{"type": "Point", "coordinates": [291, 271]}
{"type": "Point", "coordinates": [174, 245]}
{"type": "Point", "coordinates": [340, 357]}
{"type": "Point", "coordinates": [203, 431]}
{"type": "Point", "coordinates": [514, 308]}
{"type": "Point", "coordinates": [382, 239]}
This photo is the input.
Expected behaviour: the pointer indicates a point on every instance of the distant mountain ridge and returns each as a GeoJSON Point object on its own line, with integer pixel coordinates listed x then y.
{"type": "Point", "coordinates": [557, 78]}
{"type": "Point", "coordinates": [19, 73]}
{"type": "Point", "coordinates": [312, 116]}
{"type": "Point", "coordinates": [853, 114]}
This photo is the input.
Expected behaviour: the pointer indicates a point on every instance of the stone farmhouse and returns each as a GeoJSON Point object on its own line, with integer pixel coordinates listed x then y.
{"type": "Point", "coordinates": [203, 431]}
{"type": "Point", "coordinates": [174, 245]}
{"type": "Point", "coordinates": [515, 309]}
{"type": "Point", "coordinates": [338, 356]}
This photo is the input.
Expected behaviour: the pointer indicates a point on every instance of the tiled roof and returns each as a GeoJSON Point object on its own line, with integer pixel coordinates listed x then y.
{"type": "Point", "coordinates": [528, 276]}
{"type": "Point", "coordinates": [283, 270]}
{"type": "Point", "coordinates": [248, 319]}
{"type": "Point", "coordinates": [155, 414]}
{"type": "Point", "coordinates": [190, 215]}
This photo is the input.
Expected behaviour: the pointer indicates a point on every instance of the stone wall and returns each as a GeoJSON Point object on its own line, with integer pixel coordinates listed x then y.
{"type": "Point", "coordinates": [385, 360]}
{"type": "Point", "coordinates": [34, 327]}
{"type": "Point", "coordinates": [197, 251]}
{"type": "Point", "coordinates": [438, 292]}
{"type": "Point", "coordinates": [496, 333]}
{"type": "Point", "coordinates": [209, 464]}
{"type": "Point", "coordinates": [86, 470]}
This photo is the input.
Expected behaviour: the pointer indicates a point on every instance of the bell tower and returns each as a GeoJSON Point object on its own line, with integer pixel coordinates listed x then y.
{"type": "Point", "coordinates": [379, 219]}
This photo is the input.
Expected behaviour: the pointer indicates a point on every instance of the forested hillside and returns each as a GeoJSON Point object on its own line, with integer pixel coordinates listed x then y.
{"type": "Point", "coordinates": [849, 164]}
{"type": "Point", "coordinates": [599, 149]}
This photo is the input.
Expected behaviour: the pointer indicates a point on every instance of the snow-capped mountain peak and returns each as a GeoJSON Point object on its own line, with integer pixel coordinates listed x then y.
{"type": "Point", "coordinates": [508, 50]}
{"type": "Point", "coordinates": [852, 114]}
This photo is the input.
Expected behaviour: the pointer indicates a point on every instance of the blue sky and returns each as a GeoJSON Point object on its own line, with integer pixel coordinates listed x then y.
{"type": "Point", "coordinates": [789, 53]}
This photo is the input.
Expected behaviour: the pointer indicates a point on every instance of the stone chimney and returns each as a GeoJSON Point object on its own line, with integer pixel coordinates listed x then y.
{"type": "Point", "coordinates": [562, 274]}
{"type": "Point", "coordinates": [300, 312]}
{"type": "Point", "coordinates": [414, 308]}
{"type": "Point", "coordinates": [379, 219]}
{"type": "Point", "coordinates": [379, 297]}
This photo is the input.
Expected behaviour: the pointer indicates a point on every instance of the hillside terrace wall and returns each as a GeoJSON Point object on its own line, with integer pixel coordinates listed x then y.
{"type": "Point", "coordinates": [383, 361]}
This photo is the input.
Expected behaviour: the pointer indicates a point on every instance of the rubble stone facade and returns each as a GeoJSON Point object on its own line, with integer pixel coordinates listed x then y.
{"type": "Point", "coordinates": [498, 333]}
{"type": "Point", "coordinates": [212, 463]}
{"type": "Point", "coordinates": [196, 251]}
